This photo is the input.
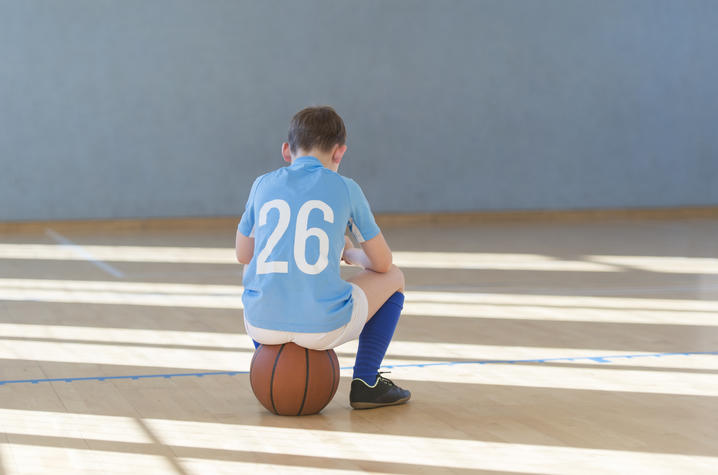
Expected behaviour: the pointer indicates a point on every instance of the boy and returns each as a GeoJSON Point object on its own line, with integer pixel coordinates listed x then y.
{"type": "Point", "coordinates": [291, 238]}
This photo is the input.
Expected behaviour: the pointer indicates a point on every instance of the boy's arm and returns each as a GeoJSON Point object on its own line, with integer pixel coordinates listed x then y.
{"type": "Point", "coordinates": [244, 242]}
{"type": "Point", "coordinates": [244, 247]}
{"type": "Point", "coordinates": [374, 254]}
{"type": "Point", "coordinates": [375, 250]}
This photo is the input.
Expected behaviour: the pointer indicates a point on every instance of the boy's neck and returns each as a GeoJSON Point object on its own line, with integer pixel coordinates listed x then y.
{"type": "Point", "coordinates": [324, 157]}
{"type": "Point", "coordinates": [329, 158]}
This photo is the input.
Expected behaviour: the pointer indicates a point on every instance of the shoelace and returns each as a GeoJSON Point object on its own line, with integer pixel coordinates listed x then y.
{"type": "Point", "coordinates": [385, 380]}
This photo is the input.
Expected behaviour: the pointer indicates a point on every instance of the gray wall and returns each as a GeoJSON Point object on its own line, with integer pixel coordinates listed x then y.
{"type": "Point", "coordinates": [142, 108]}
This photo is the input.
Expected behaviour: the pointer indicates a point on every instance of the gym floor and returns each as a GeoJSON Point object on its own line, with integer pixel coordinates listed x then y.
{"type": "Point", "coordinates": [572, 346]}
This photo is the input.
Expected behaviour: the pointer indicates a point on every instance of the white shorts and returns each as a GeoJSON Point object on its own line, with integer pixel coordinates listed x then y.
{"type": "Point", "coordinates": [319, 341]}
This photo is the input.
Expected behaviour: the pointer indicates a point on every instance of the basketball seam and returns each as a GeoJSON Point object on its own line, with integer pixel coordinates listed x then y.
{"type": "Point", "coordinates": [306, 381]}
{"type": "Point", "coordinates": [251, 367]}
{"type": "Point", "coordinates": [271, 381]}
{"type": "Point", "coordinates": [334, 378]}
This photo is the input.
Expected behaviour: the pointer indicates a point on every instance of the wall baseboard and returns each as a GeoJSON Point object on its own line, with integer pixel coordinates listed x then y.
{"type": "Point", "coordinates": [383, 219]}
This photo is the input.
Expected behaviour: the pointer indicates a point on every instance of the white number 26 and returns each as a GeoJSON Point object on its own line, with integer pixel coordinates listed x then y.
{"type": "Point", "coordinates": [301, 234]}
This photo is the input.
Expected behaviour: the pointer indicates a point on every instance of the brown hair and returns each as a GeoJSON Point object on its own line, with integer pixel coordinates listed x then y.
{"type": "Point", "coordinates": [316, 127]}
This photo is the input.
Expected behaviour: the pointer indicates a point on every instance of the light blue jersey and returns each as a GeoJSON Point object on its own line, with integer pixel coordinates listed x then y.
{"type": "Point", "coordinates": [297, 216]}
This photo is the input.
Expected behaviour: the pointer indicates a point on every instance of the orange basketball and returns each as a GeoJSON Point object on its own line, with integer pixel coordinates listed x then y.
{"type": "Point", "coordinates": [293, 381]}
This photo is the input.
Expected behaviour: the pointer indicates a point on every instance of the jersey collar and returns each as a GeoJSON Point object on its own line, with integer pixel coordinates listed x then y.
{"type": "Point", "coordinates": [307, 161]}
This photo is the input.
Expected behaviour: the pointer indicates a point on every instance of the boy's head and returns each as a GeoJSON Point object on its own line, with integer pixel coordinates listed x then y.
{"type": "Point", "coordinates": [316, 131]}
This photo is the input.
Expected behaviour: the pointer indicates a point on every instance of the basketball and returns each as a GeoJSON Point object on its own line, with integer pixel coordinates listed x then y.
{"type": "Point", "coordinates": [293, 381]}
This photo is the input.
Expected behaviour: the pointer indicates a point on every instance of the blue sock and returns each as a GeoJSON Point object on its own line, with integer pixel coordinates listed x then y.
{"type": "Point", "coordinates": [256, 345]}
{"type": "Point", "coordinates": [375, 339]}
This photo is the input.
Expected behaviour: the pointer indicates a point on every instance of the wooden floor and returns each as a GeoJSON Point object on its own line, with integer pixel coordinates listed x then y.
{"type": "Point", "coordinates": [565, 347]}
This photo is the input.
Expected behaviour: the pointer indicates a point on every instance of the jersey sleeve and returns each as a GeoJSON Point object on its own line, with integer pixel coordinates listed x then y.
{"type": "Point", "coordinates": [361, 222]}
{"type": "Point", "coordinates": [246, 224]}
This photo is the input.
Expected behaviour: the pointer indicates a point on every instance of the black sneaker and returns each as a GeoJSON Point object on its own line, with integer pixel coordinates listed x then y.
{"type": "Point", "coordinates": [383, 393]}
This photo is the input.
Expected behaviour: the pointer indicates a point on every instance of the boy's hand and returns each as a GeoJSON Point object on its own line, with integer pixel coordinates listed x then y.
{"type": "Point", "coordinates": [347, 245]}
{"type": "Point", "coordinates": [355, 256]}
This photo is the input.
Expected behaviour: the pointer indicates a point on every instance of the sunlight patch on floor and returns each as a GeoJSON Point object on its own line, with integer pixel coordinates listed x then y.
{"type": "Point", "coordinates": [122, 293]}
{"type": "Point", "coordinates": [603, 378]}
{"type": "Point", "coordinates": [175, 255]}
{"type": "Point", "coordinates": [38, 459]}
{"type": "Point", "coordinates": [566, 314]}
{"type": "Point", "coordinates": [428, 451]}
{"type": "Point", "coordinates": [79, 426]}
{"type": "Point", "coordinates": [206, 255]}
{"type": "Point", "coordinates": [420, 303]}
{"type": "Point", "coordinates": [126, 336]}
{"type": "Point", "coordinates": [125, 355]}
{"type": "Point", "coordinates": [69, 342]}
{"type": "Point", "coordinates": [495, 261]}
{"type": "Point", "coordinates": [577, 301]}
{"type": "Point", "coordinates": [663, 264]}
{"type": "Point", "coordinates": [198, 466]}
{"type": "Point", "coordinates": [405, 259]}
{"type": "Point", "coordinates": [285, 441]}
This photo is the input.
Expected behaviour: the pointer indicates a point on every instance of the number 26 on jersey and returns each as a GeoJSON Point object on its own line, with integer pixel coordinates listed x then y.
{"type": "Point", "coordinates": [301, 234]}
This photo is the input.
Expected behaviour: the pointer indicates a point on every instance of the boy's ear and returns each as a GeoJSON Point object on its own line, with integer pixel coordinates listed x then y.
{"type": "Point", "coordinates": [338, 153]}
{"type": "Point", "coordinates": [286, 152]}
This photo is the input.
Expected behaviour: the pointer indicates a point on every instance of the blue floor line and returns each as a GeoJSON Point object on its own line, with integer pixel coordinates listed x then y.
{"type": "Point", "coordinates": [596, 359]}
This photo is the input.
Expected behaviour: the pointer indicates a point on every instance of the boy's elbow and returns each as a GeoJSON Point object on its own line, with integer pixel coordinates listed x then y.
{"type": "Point", "coordinates": [242, 257]}
{"type": "Point", "coordinates": [383, 269]}
{"type": "Point", "coordinates": [244, 248]}
{"type": "Point", "coordinates": [384, 265]}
